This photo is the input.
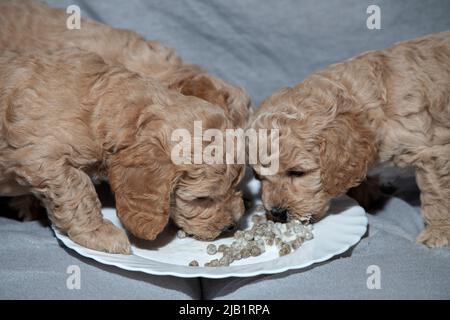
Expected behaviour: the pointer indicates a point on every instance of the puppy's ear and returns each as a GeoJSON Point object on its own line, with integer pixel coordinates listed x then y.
{"type": "Point", "coordinates": [202, 87]}
{"type": "Point", "coordinates": [347, 149]}
{"type": "Point", "coordinates": [141, 178]}
{"type": "Point", "coordinates": [231, 99]}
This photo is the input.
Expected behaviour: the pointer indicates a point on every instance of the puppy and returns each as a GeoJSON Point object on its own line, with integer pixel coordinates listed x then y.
{"type": "Point", "coordinates": [67, 117]}
{"type": "Point", "coordinates": [384, 106]}
{"type": "Point", "coordinates": [30, 25]}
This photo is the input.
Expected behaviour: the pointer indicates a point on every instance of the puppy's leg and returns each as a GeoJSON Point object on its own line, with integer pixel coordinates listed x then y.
{"type": "Point", "coordinates": [433, 180]}
{"type": "Point", "coordinates": [74, 208]}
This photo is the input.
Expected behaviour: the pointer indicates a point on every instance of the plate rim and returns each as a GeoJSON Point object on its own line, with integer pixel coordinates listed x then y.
{"type": "Point", "coordinates": [197, 273]}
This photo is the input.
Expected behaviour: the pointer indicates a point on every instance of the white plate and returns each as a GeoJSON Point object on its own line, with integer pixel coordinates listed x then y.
{"type": "Point", "coordinates": [342, 228]}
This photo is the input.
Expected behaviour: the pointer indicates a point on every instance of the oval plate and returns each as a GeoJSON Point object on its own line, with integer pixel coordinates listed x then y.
{"type": "Point", "coordinates": [343, 227]}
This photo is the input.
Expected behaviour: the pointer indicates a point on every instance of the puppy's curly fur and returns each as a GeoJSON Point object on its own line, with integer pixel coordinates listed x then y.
{"type": "Point", "coordinates": [67, 117]}
{"type": "Point", "coordinates": [382, 106]}
{"type": "Point", "coordinates": [28, 24]}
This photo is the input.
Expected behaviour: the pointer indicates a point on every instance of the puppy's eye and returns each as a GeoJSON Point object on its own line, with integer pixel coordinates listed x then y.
{"type": "Point", "coordinates": [295, 173]}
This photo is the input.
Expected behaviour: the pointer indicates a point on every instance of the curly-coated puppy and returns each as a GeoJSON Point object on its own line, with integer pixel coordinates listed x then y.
{"type": "Point", "coordinates": [33, 25]}
{"type": "Point", "coordinates": [383, 106]}
{"type": "Point", "coordinates": [68, 117]}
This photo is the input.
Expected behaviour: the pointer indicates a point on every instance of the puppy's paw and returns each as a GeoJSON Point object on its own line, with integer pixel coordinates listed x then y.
{"type": "Point", "coordinates": [107, 238]}
{"type": "Point", "coordinates": [435, 236]}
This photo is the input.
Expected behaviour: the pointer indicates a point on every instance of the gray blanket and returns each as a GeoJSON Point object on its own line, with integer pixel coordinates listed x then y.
{"type": "Point", "coordinates": [260, 45]}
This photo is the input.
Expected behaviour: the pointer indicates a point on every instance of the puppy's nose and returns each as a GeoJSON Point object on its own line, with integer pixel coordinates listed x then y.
{"type": "Point", "coordinates": [230, 228]}
{"type": "Point", "coordinates": [279, 213]}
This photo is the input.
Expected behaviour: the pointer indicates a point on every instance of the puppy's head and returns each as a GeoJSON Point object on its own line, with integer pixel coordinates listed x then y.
{"type": "Point", "coordinates": [325, 148]}
{"type": "Point", "coordinates": [205, 202]}
{"type": "Point", "coordinates": [150, 188]}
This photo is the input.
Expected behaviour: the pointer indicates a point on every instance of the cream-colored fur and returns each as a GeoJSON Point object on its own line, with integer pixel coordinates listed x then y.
{"type": "Point", "coordinates": [67, 116]}
{"type": "Point", "coordinates": [28, 24]}
{"type": "Point", "coordinates": [389, 106]}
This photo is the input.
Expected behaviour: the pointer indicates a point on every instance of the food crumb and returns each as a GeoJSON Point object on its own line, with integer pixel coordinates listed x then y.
{"type": "Point", "coordinates": [211, 249]}
{"type": "Point", "coordinates": [193, 263]}
{"type": "Point", "coordinates": [181, 234]}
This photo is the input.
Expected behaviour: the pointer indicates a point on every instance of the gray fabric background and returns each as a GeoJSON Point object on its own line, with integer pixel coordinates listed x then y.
{"type": "Point", "coordinates": [261, 46]}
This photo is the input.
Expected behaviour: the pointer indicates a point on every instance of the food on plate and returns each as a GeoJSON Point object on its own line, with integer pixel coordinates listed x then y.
{"type": "Point", "coordinates": [286, 237]}
{"type": "Point", "coordinates": [193, 263]}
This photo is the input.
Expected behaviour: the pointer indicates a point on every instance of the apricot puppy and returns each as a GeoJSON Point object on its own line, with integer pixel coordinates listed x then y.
{"type": "Point", "coordinates": [31, 25]}
{"type": "Point", "coordinates": [67, 117]}
{"type": "Point", "coordinates": [383, 106]}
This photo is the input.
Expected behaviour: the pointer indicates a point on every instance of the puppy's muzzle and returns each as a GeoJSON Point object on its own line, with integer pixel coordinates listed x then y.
{"type": "Point", "coordinates": [230, 228]}
{"type": "Point", "coordinates": [280, 214]}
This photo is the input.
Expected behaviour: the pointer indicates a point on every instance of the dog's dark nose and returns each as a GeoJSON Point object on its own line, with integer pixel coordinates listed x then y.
{"type": "Point", "coordinates": [279, 213]}
{"type": "Point", "coordinates": [230, 228]}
